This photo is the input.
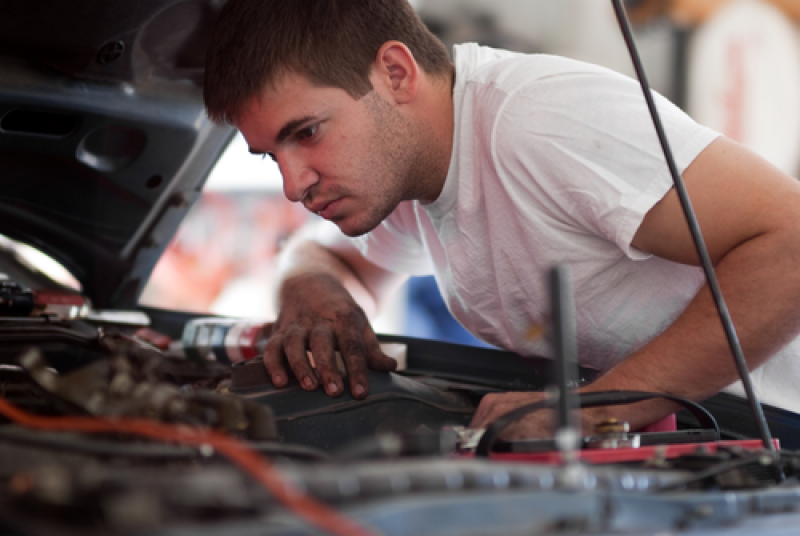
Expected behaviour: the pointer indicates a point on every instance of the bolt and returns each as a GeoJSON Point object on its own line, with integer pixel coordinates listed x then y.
{"type": "Point", "coordinates": [110, 52]}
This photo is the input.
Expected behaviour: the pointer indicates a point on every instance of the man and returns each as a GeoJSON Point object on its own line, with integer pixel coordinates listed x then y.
{"type": "Point", "coordinates": [487, 171]}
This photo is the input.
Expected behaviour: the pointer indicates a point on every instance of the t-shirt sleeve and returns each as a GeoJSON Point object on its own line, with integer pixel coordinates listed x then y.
{"type": "Point", "coordinates": [395, 245]}
{"type": "Point", "coordinates": [584, 144]}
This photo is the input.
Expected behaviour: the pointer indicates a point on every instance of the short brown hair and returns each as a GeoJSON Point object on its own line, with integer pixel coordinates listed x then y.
{"type": "Point", "coordinates": [332, 42]}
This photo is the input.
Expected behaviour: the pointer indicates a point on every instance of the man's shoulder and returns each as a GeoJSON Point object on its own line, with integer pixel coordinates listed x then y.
{"type": "Point", "coordinates": [504, 69]}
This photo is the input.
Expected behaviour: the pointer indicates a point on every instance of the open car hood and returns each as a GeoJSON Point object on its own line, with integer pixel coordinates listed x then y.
{"type": "Point", "coordinates": [104, 140]}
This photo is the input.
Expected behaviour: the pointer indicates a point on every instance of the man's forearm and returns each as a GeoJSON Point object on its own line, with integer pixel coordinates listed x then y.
{"type": "Point", "coordinates": [301, 257]}
{"type": "Point", "coordinates": [692, 358]}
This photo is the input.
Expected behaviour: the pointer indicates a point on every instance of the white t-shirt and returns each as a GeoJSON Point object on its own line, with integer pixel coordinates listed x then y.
{"type": "Point", "coordinates": [554, 162]}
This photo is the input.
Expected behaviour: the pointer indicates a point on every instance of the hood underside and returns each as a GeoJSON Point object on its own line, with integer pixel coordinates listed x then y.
{"type": "Point", "coordinates": [104, 140]}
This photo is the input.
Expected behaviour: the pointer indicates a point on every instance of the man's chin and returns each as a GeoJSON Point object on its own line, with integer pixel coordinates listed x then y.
{"type": "Point", "coordinates": [354, 229]}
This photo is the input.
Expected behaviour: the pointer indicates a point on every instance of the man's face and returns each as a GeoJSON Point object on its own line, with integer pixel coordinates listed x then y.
{"type": "Point", "coordinates": [350, 161]}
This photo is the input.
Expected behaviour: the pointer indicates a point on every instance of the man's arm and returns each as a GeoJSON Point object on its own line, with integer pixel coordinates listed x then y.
{"type": "Point", "coordinates": [749, 213]}
{"type": "Point", "coordinates": [324, 299]}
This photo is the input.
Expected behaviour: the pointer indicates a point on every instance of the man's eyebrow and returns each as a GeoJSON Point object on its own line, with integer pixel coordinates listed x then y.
{"type": "Point", "coordinates": [287, 130]}
{"type": "Point", "coordinates": [290, 127]}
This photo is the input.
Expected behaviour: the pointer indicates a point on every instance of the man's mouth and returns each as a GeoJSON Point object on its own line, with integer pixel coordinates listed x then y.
{"type": "Point", "coordinates": [325, 210]}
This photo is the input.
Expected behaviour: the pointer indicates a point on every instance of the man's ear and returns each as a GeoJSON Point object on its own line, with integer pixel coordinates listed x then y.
{"type": "Point", "coordinates": [396, 71]}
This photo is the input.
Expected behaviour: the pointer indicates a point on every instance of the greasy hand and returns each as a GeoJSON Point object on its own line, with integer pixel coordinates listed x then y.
{"type": "Point", "coordinates": [538, 424]}
{"type": "Point", "coordinates": [319, 315]}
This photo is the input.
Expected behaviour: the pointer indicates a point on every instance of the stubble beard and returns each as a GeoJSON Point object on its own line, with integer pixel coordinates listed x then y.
{"type": "Point", "coordinates": [389, 172]}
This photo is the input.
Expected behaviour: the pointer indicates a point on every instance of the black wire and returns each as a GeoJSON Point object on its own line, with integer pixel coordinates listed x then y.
{"type": "Point", "coordinates": [494, 430]}
{"type": "Point", "coordinates": [708, 268]}
{"type": "Point", "coordinates": [719, 469]}
{"type": "Point", "coordinates": [590, 400]}
{"type": "Point", "coordinates": [143, 451]}
{"type": "Point", "coordinates": [289, 450]}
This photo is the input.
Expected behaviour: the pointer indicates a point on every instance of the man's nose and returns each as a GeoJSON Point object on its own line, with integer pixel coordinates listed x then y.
{"type": "Point", "coordinates": [298, 177]}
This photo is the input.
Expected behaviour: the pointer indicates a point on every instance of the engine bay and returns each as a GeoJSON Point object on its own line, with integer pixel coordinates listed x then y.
{"type": "Point", "coordinates": [105, 433]}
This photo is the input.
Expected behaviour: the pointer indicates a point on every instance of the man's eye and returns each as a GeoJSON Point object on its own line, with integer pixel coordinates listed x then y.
{"type": "Point", "coordinates": [306, 133]}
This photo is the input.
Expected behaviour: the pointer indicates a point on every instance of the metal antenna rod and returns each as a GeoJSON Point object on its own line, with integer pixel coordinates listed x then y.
{"type": "Point", "coordinates": [568, 431]}
{"type": "Point", "coordinates": [566, 352]}
{"type": "Point", "coordinates": [691, 219]}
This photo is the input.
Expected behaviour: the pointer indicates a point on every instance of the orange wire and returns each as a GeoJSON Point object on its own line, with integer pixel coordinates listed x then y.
{"type": "Point", "coordinates": [251, 462]}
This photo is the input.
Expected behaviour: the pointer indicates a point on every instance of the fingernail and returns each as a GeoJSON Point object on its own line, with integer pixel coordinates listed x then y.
{"type": "Point", "coordinates": [332, 388]}
{"type": "Point", "coordinates": [307, 383]}
{"type": "Point", "coordinates": [359, 390]}
{"type": "Point", "coordinates": [277, 379]}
